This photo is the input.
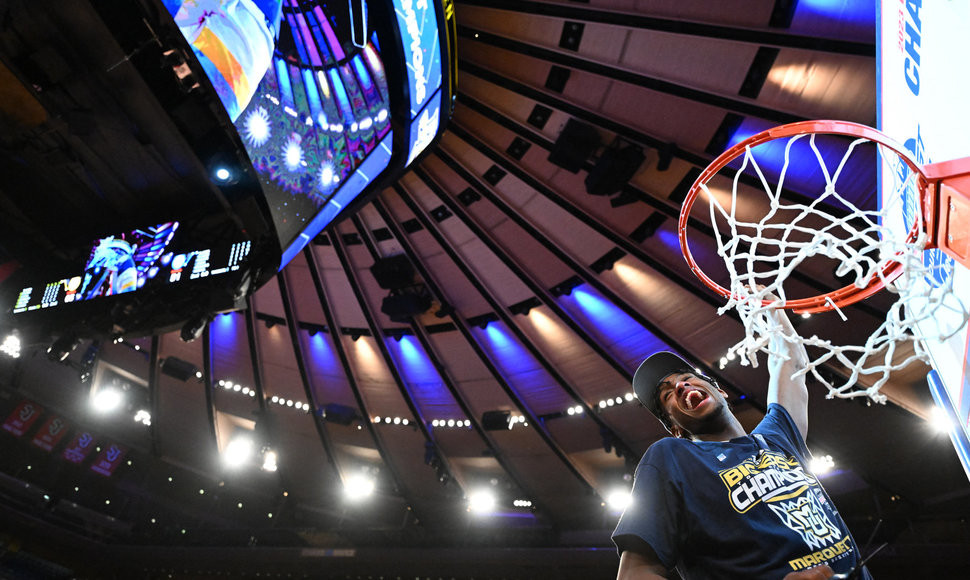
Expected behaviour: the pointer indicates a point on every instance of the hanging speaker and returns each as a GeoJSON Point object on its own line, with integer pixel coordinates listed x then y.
{"type": "Point", "coordinates": [575, 144]}
{"type": "Point", "coordinates": [615, 168]}
{"type": "Point", "coordinates": [394, 272]}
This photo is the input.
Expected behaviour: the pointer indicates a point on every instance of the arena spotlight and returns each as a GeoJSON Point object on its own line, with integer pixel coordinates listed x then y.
{"type": "Point", "coordinates": [238, 452]}
{"type": "Point", "coordinates": [223, 171]}
{"type": "Point", "coordinates": [358, 487]}
{"type": "Point", "coordinates": [11, 346]}
{"type": "Point", "coordinates": [618, 499]}
{"type": "Point", "coordinates": [107, 400]}
{"type": "Point", "coordinates": [822, 464]}
{"type": "Point", "coordinates": [269, 460]}
{"type": "Point", "coordinates": [481, 501]}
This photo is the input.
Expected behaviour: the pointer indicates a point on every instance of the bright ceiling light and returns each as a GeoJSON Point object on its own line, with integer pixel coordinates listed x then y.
{"type": "Point", "coordinates": [481, 501]}
{"type": "Point", "coordinates": [238, 452]}
{"type": "Point", "coordinates": [107, 400]}
{"type": "Point", "coordinates": [938, 420]}
{"type": "Point", "coordinates": [269, 461]}
{"type": "Point", "coordinates": [822, 464]}
{"type": "Point", "coordinates": [618, 499]}
{"type": "Point", "coordinates": [143, 417]}
{"type": "Point", "coordinates": [11, 346]}
{"type": "Point", "coordinates": [358, 487]}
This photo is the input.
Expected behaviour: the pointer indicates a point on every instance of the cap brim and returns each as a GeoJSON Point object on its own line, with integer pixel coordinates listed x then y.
{"type": "Point", "coordinates": [651, 372]}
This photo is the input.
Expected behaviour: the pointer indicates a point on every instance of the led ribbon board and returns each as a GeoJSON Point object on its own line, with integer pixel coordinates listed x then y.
{"type": "Point", "coordinates": [129, 262]}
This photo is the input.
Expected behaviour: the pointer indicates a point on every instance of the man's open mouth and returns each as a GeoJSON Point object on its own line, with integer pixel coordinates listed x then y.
{"type": "Point", "coordinates": [694, 397]}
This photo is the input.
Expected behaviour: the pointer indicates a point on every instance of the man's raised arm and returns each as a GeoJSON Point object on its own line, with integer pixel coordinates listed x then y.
{"type": "Point", "coordinates": [787, 359]}
{"type": "Point", "coordinates": [636, 566]}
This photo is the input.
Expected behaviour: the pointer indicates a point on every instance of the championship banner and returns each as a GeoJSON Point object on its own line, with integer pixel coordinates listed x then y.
{"type": "Point", "coordinates": [79, 448]}
{"type": "Point", "coordinates": [20, 421]}
{"type": "Point", "coordinates": [50, 433]}
{"type": "Point", "coordinates": [109, 459]}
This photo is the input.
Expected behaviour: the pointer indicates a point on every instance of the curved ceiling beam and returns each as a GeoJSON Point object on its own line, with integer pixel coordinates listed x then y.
{"type": "Point", "coordinates": [210, 405]}
{"type": "Point", "coordinates": [623, 130]}
{"type": "Point", "coordinates": [757, 36]}
{"type": "Point", "coordinates": [354, 282]}
{"type": "Point", "coordinates": [423, 337]}
{"type": "Point", "coordinates": [153, 395]}
{"type": "Point", "coordinates": [335, 338]}
{"type": "Point", "coordinates": [546, 298]}
{"type": "Point", "coordinates": [634, 314]}
{"type": "Point", "coordinates": [462, 326]}
{"type": "Point", "coordinates": [375, 328]}
{"type": "Point", "coordinates": [596, 68]}
{"type": "Point", "coordinates": [293, 327]}
{"type": "Point", "coordinates": [264, 411]}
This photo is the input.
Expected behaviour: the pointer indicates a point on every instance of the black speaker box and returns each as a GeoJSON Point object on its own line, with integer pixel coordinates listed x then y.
{"type": "Point", "coordinates": [495, 420]}
{"type": "Point", "coordinates": [401, 307]}
{"type": "Point", "coordinates": [614, 169]}
{"type": "Point", "coordinates": [394, 272]}
{"type": "Point", "coordinates": [574, 145]}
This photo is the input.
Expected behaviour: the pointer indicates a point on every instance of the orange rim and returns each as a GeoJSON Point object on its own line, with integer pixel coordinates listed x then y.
{"type": "Point", "coordinates": [837, 298]}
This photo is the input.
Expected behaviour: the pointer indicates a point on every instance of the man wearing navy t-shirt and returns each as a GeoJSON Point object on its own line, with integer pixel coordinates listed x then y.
{"type": "Point", "coordinates": [717, 502]}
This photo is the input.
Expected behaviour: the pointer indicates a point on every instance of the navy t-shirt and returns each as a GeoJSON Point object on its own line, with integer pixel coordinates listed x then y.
{"type": "Point", "coordinates": [744, 508]}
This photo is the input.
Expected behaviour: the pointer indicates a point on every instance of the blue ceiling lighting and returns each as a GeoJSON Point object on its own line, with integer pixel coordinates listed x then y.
{"type": "Point", "coordinates": [522, 371]}
{"type": "Point", "coordinates": [857, 13]}
{"type": "Point", "coordinates": [609, 325]}
{"type": "Point", "coordinates": [421, 378]}
{"type": "Point", "coordinates": [322, 354]}
{"type": "Point", "coordinates": [669, 237]}
{"type": "Point", "coordinates": [225, 333]}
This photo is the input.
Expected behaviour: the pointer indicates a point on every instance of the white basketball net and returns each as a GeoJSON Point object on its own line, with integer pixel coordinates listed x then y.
{"type": "Point", "coordinates": [760, 256]}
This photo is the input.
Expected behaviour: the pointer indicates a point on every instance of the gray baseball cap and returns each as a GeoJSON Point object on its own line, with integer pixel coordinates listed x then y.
{"type": "Point", "coordinates": [650, 373]}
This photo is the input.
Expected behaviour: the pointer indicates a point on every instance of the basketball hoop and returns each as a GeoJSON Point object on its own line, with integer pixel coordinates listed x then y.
{"type": "Point", "coordinates": [767, 239]}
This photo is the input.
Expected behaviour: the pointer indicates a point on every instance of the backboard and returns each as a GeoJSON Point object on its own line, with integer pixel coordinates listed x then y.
{"type": "Point", "coordinates": [922, 51]}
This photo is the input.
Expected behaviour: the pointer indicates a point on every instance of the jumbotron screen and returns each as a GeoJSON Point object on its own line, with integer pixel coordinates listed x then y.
{"type": "Point", "coordinates": [306, 85]}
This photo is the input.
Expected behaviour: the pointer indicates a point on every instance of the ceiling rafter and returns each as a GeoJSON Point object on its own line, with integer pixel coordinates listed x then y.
{"type": "Point", "coordinates": [546, 298]}
{"type": "Point", "coordinates": [254, 358]}
{"type": "Point", "coordinates": [378, 337]}
{"type": "Point", "coordinates": [627, 19]}
{"type": "Point", "coordinates": [620, 129]}
{"type": "Point", "coordinates": [294, 330]}
{"type": "Point", "coordinates": [423, 336]}
{"type": "Point", "coordinates": [637, 316]}
{"type": "Point", "coordinates": [154, 367]}
{"type": "Point", "coordinates": [337, 342]}
{"type": "Point", "coordinates": [741, 107]}
{"type": "Point", "coordinates": [210, 404]}
{"type": "Point", "coordinates": [462, 325]}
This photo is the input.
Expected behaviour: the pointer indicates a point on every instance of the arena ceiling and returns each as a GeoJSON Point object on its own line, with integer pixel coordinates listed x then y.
{"type": "Point", "coordinates": [544, 299]}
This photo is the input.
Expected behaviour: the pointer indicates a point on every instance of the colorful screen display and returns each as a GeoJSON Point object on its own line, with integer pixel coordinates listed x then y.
{"type": "Point", "coordinates": [311, 106]}
{"type": "Point", "coordinates": [418, 23]}
{"type": "Point", "coordinates": [130, 261]}
{"type": "Point", "coordinates": [425, 127]}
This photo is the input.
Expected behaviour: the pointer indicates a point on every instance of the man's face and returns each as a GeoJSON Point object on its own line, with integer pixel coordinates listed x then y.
{"type": "Point", "coordinates": [690, 401]}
